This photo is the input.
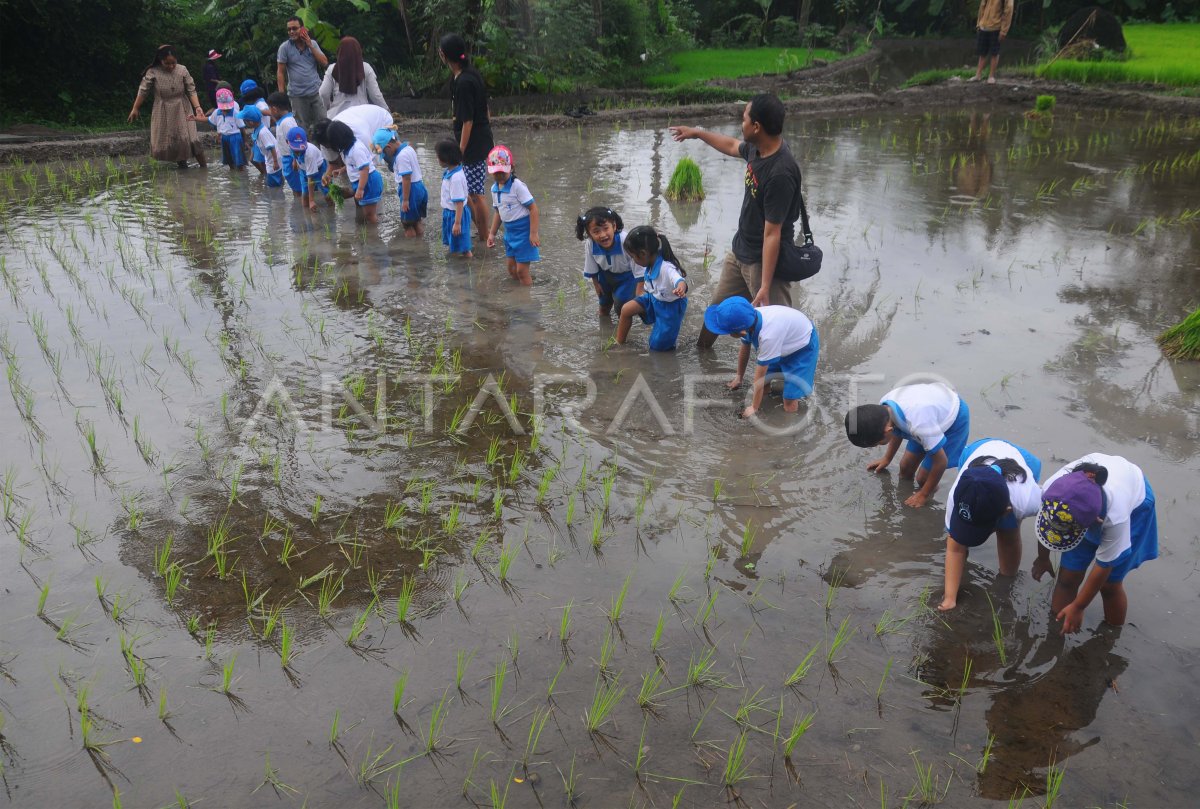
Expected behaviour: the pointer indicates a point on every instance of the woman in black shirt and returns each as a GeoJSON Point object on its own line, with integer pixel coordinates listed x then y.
{"type": "Point", "coordinates": [471, 126]}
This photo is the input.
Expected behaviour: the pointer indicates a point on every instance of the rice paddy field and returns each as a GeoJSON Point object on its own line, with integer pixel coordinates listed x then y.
{"type": "Point", "coordinates": [301, 514]}
{"type": "Point", "coordinates": [1159, 54]}
{"type": "Point", "coordinates": [704, 64]}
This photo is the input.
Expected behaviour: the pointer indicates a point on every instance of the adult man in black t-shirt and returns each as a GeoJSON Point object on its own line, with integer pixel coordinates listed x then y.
{"type": "Point", "coordinates": [770, 206]}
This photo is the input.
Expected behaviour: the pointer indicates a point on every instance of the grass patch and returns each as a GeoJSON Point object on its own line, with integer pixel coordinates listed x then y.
{"type": "Point", "coordinates": [1160, 54]}
{"type": "Point", "coordinates": [731, 63]}
{"type": "Point", "coordinates": [937, 76]}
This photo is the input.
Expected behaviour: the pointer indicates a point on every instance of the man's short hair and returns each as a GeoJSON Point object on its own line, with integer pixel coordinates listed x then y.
{"type": "Point", "coordinates": [766, 110]}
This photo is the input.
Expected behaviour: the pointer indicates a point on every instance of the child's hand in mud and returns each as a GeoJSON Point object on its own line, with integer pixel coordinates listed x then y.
{"type": "Point", "coordinates": [877, 466]}
{"type": "Point", "coordinates": [734, 383]}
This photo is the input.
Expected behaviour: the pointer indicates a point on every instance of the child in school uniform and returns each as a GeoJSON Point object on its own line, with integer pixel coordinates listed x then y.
{"type": "Point", "coordinates": [280, 107]}
{"type": "Point", "coordinates": [785, 340]}
{"type": "Point", "coordinates": [518, 212]}
{"type": "Point", "coordinates": [456, 216]}
{"type": "Point", "coordinates": [931, 417]}
{"type": "Point", "coordinates": [309, 164]}
{"type": "Point", "coordinates": [615, 277]}
{"type": "Point", "coordinates": [365, 179]}
{"type": "Point", "coordinates": [414, 197]}
{"type": "Point", "coordinates": [664, 303]}
{"type": "Point", "coordinates": [225, 120]}
{"type": "Point", "coordinates": [253, 96]}
{"type": "Point", "coordinates": [996, 488]}
{"type": "Point", "coordinates": [1099, 508]}
{"type": "Point", "coordinates": [264, 142]}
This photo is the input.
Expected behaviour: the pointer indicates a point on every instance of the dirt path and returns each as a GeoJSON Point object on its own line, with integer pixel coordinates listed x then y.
{"type": "Point", "coordinates": [1018, 91]}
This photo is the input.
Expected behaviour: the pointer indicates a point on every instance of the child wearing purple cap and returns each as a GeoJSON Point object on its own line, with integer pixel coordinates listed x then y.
{"type": "Point", "coordinates": [996, 489]}
{"type": "Point", "coordinates": [309, 164]}
{"type": "Point", "coordinates": [1099, 508]}
{"type": "Point", "coordinates": [786, 342]}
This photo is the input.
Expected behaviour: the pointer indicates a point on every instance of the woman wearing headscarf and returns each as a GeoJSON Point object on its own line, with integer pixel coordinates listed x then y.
{"type": "Point", "coordinates": [172, 126]}
{"type": "Point", "coordinates": [350, 81]}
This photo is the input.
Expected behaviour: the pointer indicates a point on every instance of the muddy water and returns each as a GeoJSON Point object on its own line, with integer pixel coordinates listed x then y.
{"type": "Point", "coordinates": [207, 338]}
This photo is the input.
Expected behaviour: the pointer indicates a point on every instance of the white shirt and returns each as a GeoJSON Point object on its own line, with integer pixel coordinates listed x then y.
{"type": "Point", "coordinates": [226, 124]}
{"type": "Point", "coordinates": [512, 201]}
{"type": "Point", "coordinates": [313, 160]}
{"type": "Point", "coordinates": [926, 411]}
{"type": "Point", "coordinates": [614, 260]}
{"type": "Point", "coordinates": [454, 187]}
{"type": "Point", "coordinates": [784, 331]}
{"type": "Point", "coordinates": [661, 278]}
{"type": "Point", "coordinates": [1025, 496]}
{"type": "Point", "coordinates": [364, 120]}
{"type": "Point", "coordinates": [285, 125]}
{"type": "Point", "coordinates": [1124, 491]}
{"type": "Point", "coordinates": [266, 145]}
{"type": "Point", "coordinates": [265, 109]}
{"type": "Point", "coordinates": [406, 165]}
{"type": "Point", "coordinates": [358, 158]}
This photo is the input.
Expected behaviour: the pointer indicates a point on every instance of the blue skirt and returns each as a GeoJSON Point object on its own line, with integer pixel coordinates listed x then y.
{"type": "Point", "coordinates": [231, 150]}
{"type": "Point", "coordinates": [956, 439]}
{"type": "Point", "coordinates": [275, 179]}
{"type": "Point", "coordinates": [418, 202]}
{"type": "Point", "coordinates": [798, 369]}
{"type": "Point", "coordinates": [1143, 542]}
{"type": "Point", "coordinates": [314, 179]}
{"type": "Point", "coordinates": [516, 242]}
{"type": "Point", "coordinates": [462, 242]}
{"type": "Point", "coordinates": [256, 155]}
{"type": "Point", "coordinates": [374, 191]}
{"type": "Point", "coordinates": [665, 320]}
{"type": "Point", "coordinates": [619, 287]}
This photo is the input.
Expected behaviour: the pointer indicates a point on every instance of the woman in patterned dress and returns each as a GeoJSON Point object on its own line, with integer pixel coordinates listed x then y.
{"type": "Point", "coordinates": [172, 127]}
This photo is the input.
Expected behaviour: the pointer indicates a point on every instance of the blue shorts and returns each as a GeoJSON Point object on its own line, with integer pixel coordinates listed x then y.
{"type": "Point", "coordinates": [798, 369]}
{"type": "Point", "coordinates": [418, 202]}
{"type": "Point", "coordinates": [1143, 538]}
{"type": "Point", "coordinates": [294, 176]}
{"type": "Point", "coordinates": [1008, 522]}
{"type": "Point", "coordinates": [314, 179]}
{"type": "Point", "coordinates": [256, 155]}
{"type": "Point", "coordinates": [274, 179]}
{"type": "Point", "coordinates": [665, 320]}
{"type": "Point", "coordinates": [475, 173]}
{"type": "Point", "coordinates": [516, 241]}
{"type": "Point", "coordinates": [374, 191]}
{"type": "Point", "coordinates": [462, 242]}
{"type": "Point", "coordinates": [618, 287]}
{"type": "Point", "coordinates": [231, 150]}
{"type": "Point", "coordinates": [956, 439]}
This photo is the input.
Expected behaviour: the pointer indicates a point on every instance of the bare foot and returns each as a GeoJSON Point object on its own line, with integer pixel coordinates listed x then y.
{"type": "Point", "coordinates": [975, 78]}
{"type": "Point", "coordinates": [991, 80]}
{"type": "Point", "coordinates": [947, 605]}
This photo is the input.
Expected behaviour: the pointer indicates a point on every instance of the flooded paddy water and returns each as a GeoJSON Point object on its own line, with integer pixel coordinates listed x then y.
{"type": "Point", "coordinates": [259, 548]}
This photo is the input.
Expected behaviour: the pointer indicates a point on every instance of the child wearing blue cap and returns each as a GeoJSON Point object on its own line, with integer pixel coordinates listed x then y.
{"type": "Point", "coordinates": [664, 303]}
{"type": "Point", "coordinates": [785, 340]}
{"type": "Point", "coordinates": [365, 178]}
{"type": "Point", "coordinates": [264, 142]}
{"type": "Point", "coordinates": [996, 489]}
{"type": "Point", "coordinates": [254, 96]}
{"type": "Point", "coordinates": [309, 164]}
{"type": "Point", "coordinates": [931, 417]}
{"type": "Point", "coordinates": [280, 107]}
{"type": "Point", "coordinates": [402, 160]}
{"type": "Point", "coordinates": [1099, 508]}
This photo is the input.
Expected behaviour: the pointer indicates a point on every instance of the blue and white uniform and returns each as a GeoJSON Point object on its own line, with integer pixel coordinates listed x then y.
{"type": "Point", "coordinates": [512, 202]}
{"type": "Point", "coordinates": [311, 166]}
{"type": "Point", "coordinates": [230, 129]}
{"type": "Point", "coordinates": [1128, 534]}
{"type": "Point", "coordinates": [405, 164]}
{"type": "Point", "coordinates": [1025, 496]}
{"type": "Point", "coordinates": [664, 309]}
{"type": "Point", "coordinates": [265, 141]}
{"type": "Point", "coordinates": [256, 153]}
{"type": "Point", "coordinates": [454, 190]}
{"type": "Point", "coordinates": [294, 178]}
{"type": "Point", "coordinates": [787, 344]}
{"type": "Point", "coordinates": [930, 416]}
{"type": "Point", "coordinates": [613, 269]}
{"type": "Point", "coordinates": [359, 157]}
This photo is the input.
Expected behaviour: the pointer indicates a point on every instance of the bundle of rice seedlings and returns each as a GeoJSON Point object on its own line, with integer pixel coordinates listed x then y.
{"type": "Point", "coordinates": [686, 183]}
{"type": "Point", "coordinates": [1182, 341]}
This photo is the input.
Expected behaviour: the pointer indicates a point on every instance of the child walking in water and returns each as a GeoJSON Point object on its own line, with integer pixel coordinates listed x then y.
{"type": "Point", "coordinates": [456, 216]}
{"type": "Point", "coordinates": [664, 302]}
{"type": "Point", "coordinates": [414, 197]}
{"type": "Point", "coordinates": [365, 178]}
{"type": "Point", "coordinates": [616, 278]}
{"type": "Point", "coordinates": [516, 209]}
{"type": "Point", "coordinates": [225, 120]}
{"type": "Point", "coordinates": [264, 143]}
{"type": "Point", "coordinates": [310, 166]}
{"type": "Point", "coordinates": [280, 107]}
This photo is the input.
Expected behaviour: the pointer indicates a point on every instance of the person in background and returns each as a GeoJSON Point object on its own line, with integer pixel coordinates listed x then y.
{"type": "Point", "coordinates": [472, 125]}
{"type": "Point", "coordinates": [212, 76]}
{"type": "Point", "coordinates": [350, 82]}
{"type": "Point", "coordinates": [173, 125]}
{"type": "Point", "coordinates": [298, 65]}
{"type": "Point", "coordinates": [991, 27]}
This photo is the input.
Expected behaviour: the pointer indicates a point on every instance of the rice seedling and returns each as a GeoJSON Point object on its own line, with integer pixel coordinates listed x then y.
{"type": "Point", "coordinates": [570, 782]}
{"type": "Point", "coordinates": [997, 632]}
{"type": "Point", "coordinates": [287, 640]}
{"type": "Point", "coordinates": [707, 609]}
{"type": "Point", "coordinates": [747, 543]}
{"type": "Point", "coordinates": [1182, 341]}
{"type": "Point", "coordinates": [496, 709]}
{"type": "Point", "coordinates": [562, 666]}
{"type": "Point", "coordinates": [481, 542]}
{"type": "Point", "coordinates": [537, 724]}
{"type": "Point", "coordinates": [315, 511]}
{"type": "Point", "coordinates": [675, 594]}
{"type": "Point", "coordinates": [404, 601]}
{"type": "Point", "coordinates": [889, 623]}
{"type": "Point", "coordinates": [617, 604]}
{"type": "Point", "coordinates": [210, 635]}
{"type": "Point", "coordinates": [987, 754]}
{"type": "Point", "coordinates": [701, 674]}
{"type": "Point", "coordinates": [433, 737]}
{"type": "Point", "coordinates": [398, 689]}
{"type": "Point", "coordinates": [360, 624]}
{"type": "Point", "coordinates": [570, 516]}
{"type": "Point", "coordinates": [1054, 781]}
{"type": "Point", "coordinates": [335, 728]}
{"type": "Point", "coordinates": [43, 594]}
{"type": "Point", "coordinates": [799, 728]}
{"type": "Point", "coordinates": [605, 698]}
{"type": "Point", "coordinates": [837, 576]}
{"type": "Point", "coordinates": [718, 484]}
{"type": "Point", "coordinates": [607, 649]}
{"type": "Point", "coordinates": [649, 690]}
{"type": "Point", "coordinates": [330, 589]}
{"type": "Point", "coordinates": [564, 624]}
{"type": "Point", "coordinates": [928, 784]}
{"type": "Point", "coordinates": [597, 539]}
{"type": "Point", "coordinates": [513, 644]}
{"type": "Point", "coordinates": [737, 768]}
{"type": "Point", "coordinates": [461, 582]}
{"type": "Point", "coordinates": [883, 680]}
{"type": "Point", "coordinates": [162, 556]}
{"type": "Point", "coordinates": [711, 562]}
{"type": "Point", "coordinates": [499, 800]}
{"type": "Point", "coordinates": [840, 638]}
{"type": "Point", "coordinates": [498, 504]}
{"type": "Point", "coordinates": [966, 680]}
{"type": "Point", "coordinates": [507, 556]}
{"type": "Point", "coordinates": [656, 638]}
{"type": "Point", "coordinates": [163, 713]}
{"type": "Point", "coordinates": [462, 659]}
{"type": "Point", "coordinates": [686, 184]}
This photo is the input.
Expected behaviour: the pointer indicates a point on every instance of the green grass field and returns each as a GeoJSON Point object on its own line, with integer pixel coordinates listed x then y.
{"type": "Point", "coordinates": [728, 63]}
{"type": "Point", "coordinates": [1163, 54]}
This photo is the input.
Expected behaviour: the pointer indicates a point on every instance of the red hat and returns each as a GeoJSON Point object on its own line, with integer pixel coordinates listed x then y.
{"type": "Point", "coordinates": [214, 55]}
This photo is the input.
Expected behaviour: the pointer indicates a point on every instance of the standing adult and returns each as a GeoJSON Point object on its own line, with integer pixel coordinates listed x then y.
{"type": "Point", "coordinates": [770, 205]}
{"type": "Point", "coordinates": [299, 63]}
{"type": "Point", "coordinates": [472, 125]}
{"type": "Point", "coordinates": [350, 81]}
{"type": "Point", "coordinates": [212, 76]}
{"type": "Point", "coordinates": [991, 27]}
{"type": "Point", "coordinates": [172, 125]}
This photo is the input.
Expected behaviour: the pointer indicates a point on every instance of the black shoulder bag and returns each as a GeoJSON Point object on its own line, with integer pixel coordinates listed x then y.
{"type": "Point", "coordinates": [797, 262]}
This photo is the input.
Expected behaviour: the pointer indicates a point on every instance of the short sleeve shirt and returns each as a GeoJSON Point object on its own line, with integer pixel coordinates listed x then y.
{"type": "Point", "coordinates": [1025, 496]}
{"type": "Point", "coordinates": [923, 413]}
{"type": "Point", "coordinates": [314, 161]}
{"type": "Point", "coordinates": [359, 157]}
{"type": "Point", "coordinates": [286, 124]}
{"type": "Point", "coordinates": [226, 124]}
{"type": "Point", "coordinates": [512, 201]}
{"type": "Point", "coordinates": [266, 145]}
{"type": "Point", "coordinates": [1124, 491]}
{"type": "Point", "coordinates": [471, 104]}
{"type": "Point", "coordinates": [784, 331]}
{"type": "Point", "coordinates": [614, 260]}
{"type": "Point", "coordinates": [661, 279]}
{"type": "Point", "coordinates": [772, 195]}
{"type": "Point", "coordinates": [303, 77]}
{"type": "Point", "coordinates": [407, 165]}
{"type": "Point", "coordinates": [454, 187]}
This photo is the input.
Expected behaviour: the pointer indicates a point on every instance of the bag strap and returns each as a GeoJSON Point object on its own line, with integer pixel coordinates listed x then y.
{"type": "Point", "coordinates": [808, 237]}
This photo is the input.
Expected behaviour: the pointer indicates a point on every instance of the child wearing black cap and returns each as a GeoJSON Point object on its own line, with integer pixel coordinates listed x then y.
{"type": "Point", "coordinates": [996, 489]}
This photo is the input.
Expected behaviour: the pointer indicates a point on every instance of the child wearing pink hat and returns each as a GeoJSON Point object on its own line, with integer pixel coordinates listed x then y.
{"type": "Point", "coordinates": [516, 209]}
{"type": "Point", "coordinates": [1099, 508]}
{"type": "Point", "coordinates": [225, 120]}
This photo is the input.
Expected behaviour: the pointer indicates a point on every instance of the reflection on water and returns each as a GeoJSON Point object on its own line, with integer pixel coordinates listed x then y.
{"type": "Point", "coordinates": [148, 322]}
